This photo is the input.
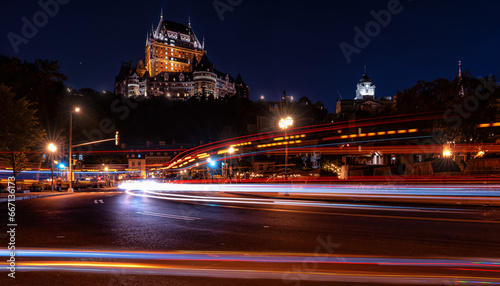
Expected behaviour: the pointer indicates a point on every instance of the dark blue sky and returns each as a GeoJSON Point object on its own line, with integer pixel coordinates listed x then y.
{"type": "Point", "coordinates": [275, 45]}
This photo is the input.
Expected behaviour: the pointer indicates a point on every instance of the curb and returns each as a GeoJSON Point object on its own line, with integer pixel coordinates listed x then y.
{"type": "Point", "coordinates": [2, 200]}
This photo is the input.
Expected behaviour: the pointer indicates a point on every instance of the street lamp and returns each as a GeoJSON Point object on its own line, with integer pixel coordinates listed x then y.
{"type": "Point", "coordinates": [76, 110]}
{"type": "Point", "coordinates": [446, 153]}
{"type": "Point", "coordinates": [284, 123]}
{"type": "Point", "coordinates": [230, 151]}
{"type": "Point", "coordinates": [52, 148]}
{"type": "Point", "coordinates": [209, 161]}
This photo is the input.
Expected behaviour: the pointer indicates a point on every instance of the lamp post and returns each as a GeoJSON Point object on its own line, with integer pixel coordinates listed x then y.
{"type": "Point", "coordinates": [76, 110]}
{"type": "Point", "coordinates": [209, 161]}
{"type": "Point", "coordinates": [52, 148]}
{"type": "Point", "coordinates": [226, 167]}
{"type": "Point", "coordinates": [284, 123]}
{"type": "Point", "coordinates": [106, 174]}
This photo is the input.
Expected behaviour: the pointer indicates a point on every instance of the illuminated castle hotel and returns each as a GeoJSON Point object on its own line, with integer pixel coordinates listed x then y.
{"type": "Point", "coordinates": [176, 66]}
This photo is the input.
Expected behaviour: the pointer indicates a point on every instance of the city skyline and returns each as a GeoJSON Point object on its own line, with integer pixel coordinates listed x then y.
{"type": "Point", "coordinates": [238, 142]}
{"type": "Point", "coordinates": [274, 46]}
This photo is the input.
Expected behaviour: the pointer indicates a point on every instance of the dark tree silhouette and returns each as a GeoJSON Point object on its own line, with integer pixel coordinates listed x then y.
{"type": "Point", "coordinates": [19, 129]}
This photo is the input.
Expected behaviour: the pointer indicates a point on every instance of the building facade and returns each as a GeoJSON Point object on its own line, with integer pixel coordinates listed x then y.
{"type": "Point", "coordinates": [177, 67]}
{"type": "Point", "coordinates": [171, 47]}
{"type": "Point", "coordinates": [365, 88]}
{"type": "Point", "coordinates": [364, 104]}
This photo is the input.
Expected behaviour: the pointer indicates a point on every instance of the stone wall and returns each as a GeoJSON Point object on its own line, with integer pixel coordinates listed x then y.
{"type": "Point", "coordinates": [419, 169]}
{"type": "Point", "coordinates": [483, 166]}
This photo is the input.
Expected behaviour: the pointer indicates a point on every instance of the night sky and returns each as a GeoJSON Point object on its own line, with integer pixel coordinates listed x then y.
{"type": "Point", "coordinates": [275, 45]}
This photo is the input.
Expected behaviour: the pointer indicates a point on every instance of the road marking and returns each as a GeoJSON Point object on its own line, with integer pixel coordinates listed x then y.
{"type": "Point", "coordinates": [98, 201]}
{"type": "Point", "coordinates": [169, 216]}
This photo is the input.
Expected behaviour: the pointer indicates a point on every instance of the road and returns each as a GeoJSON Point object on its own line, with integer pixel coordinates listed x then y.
{"type": "Point", "coordinates": [130, 239]}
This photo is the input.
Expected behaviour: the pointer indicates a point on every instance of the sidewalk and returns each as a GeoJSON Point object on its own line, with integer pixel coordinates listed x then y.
{"type": "Point", "coordinates": [31, 195]}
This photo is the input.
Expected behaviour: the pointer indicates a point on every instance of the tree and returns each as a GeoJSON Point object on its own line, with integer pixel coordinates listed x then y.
{"type": "Point", "coordinates": [425, 96]}
{"type": "Point", "coordinates": [304, 101]}
{"type": "Point", "coordinates": [19, 130]}
{"type": "Point", "coordinates": [40, 82]}
{"type": "Point", "coordinates": [466, 113]}
{"type": "Point", "coordinates": [461, 113]}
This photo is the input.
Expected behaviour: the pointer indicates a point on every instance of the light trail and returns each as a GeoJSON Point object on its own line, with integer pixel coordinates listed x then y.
{"type": "Point", "coordinates": [236, 203]}
{"type": "Point", "coordinates": [205, 199]}
{"type": "Point", "coordinates": [327, 197]}
{"type": "Point", "coordinates": [278, 265]}
{"type": "Point", "coordinates": [212, 148]}
{"type": "Point", "coordinates": [300, 149]}
{"type": "Point", "coordinates": [305, 129]}
{"type": "Point", "coordinates": [271, 257]}
{"type": "Point", "coordinates": [491, 191]}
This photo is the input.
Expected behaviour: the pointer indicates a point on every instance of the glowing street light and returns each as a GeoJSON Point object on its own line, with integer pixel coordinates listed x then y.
{"type": "Point", "coordinates": [284, 123]}
{"type": "Point", "coordinates": [52, 148]}
{"type": "Point", "coordinates": [446, 153]}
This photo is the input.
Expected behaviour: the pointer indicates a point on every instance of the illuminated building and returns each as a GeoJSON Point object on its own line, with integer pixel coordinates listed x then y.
{"type": "Point", "coordinates": [171, 47]}
{"type": "Point", "coordinates": [364, 104]}
{"type": "Point", "coordinates": [177, 67]}
{"type": "Point", "coordinates": [131, 81]}
{"type": "Point", "coordinates": [365, 88]}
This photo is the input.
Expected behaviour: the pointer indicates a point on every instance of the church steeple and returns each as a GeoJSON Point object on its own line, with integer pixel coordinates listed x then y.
{"type": "Point", "coordinates": [161, 14]}
{"type": "Point", "coordinates": [462, 92]}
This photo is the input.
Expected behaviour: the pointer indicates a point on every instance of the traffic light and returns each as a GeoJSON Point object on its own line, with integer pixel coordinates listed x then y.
{"type": "Point", "coordinates": [117, 138]}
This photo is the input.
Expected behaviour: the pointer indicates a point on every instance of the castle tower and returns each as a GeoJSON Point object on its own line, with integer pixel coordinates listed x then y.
{"type": "Point", "coordinates": [365, 88]}
{"type": "Point", "coordinates": [205, 78]}
{"type": "Point", "coordinates": [171, 47]}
